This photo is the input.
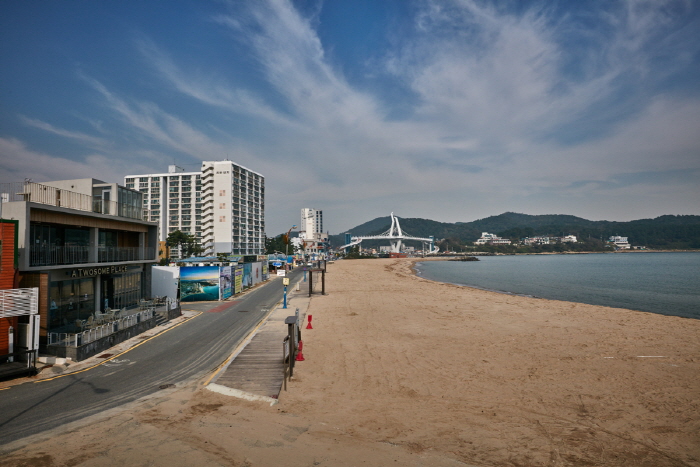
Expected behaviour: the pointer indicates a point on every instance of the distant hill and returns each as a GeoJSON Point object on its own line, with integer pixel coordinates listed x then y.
{"type": "Point", "coordinates": [668, 232]}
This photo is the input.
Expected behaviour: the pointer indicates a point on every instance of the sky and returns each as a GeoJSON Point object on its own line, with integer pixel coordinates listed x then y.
{"type": "Point", "coordinates": [450, 110]}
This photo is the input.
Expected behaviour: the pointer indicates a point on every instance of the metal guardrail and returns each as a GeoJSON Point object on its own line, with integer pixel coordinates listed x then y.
{"type": "Point", "coordinates": [51, 255]}
{"type": "Point", "coordinates": [49, 195]}
{"type": "Point", "coordinates": [100, 331]}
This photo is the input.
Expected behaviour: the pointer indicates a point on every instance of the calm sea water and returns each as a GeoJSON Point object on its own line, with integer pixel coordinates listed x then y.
{"type": "Point", "coordinates": [665, 283]}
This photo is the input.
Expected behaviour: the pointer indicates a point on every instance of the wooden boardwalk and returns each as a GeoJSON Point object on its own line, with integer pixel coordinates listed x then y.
{"type": "Point", "coordinates": [259, 368]}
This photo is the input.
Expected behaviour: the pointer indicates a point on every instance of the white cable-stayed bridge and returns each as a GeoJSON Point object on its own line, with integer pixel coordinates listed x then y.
{"type": "Point", "coordinates": [396, 237]}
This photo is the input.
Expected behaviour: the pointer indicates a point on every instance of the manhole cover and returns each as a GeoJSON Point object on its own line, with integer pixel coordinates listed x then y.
{"type": "Point", "coordinates": [105, 355]}
{"type": "Point", "coordinates": [166, 386]}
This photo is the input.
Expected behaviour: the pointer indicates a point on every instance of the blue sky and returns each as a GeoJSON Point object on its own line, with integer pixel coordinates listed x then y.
{"type": "Point", "coordinates": [450, 110]}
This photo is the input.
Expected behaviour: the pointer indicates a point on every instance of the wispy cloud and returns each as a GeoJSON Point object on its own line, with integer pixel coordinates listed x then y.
{"type": "Point", "coordinates": [81, 137]}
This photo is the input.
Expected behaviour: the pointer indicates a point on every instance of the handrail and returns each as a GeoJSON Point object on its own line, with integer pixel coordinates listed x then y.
{"type": "Point", "coordinates": [52, 196]}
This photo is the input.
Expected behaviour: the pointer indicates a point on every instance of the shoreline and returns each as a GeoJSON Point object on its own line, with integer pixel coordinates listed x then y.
{"type": "Point", "coordinates": [684, 308]}
{"type": "Point", "coordinates": [486, 253]}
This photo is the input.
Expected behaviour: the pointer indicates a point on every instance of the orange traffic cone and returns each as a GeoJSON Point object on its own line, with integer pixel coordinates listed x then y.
{"type": "Point", "coordinates": [308, 326]}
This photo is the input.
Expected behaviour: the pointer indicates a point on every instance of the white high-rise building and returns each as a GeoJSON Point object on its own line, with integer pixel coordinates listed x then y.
{"type": "Point", "coordinates": [174, 200]}
{"type": "Point", "coordinates": [223, 206]}
{"type": "Point", "coordinates": [311, 231]}
{"type": "Point", "coordinates": [234, 209]}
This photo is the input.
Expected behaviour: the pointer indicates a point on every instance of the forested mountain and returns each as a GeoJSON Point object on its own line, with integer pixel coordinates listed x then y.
{"type": "Point", "coordinates": [669, 232]}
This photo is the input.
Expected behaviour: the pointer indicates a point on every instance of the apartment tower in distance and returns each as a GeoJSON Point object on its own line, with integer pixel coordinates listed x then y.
{"type": "Point", "coordinates": [174, 200]}
{"type": "Point", "coordinates": [223, 206]}
{"type": "Point", "coordinates": [311, 231]}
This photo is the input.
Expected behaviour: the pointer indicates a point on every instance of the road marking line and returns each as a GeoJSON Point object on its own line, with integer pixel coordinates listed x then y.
{"type": "Point", "coordinates": [119, 354]}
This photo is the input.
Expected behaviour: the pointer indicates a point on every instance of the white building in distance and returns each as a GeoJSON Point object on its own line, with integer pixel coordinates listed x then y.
{"type": "Point", "coordinates": [311, 234]}
{"type": "Point", "coordinates": [222, 206]}
{"type": "Point", "coordinates": [491, 239]}
{"type": "Point", "coordinates": [619, 242]}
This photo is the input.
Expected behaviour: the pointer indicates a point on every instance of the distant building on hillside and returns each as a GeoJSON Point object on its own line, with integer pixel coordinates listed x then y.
{"type": "Point", "coordinates": [542, 240]}
{"type": "Point", "coordinates": [491, 239]}
{"type": "Point", "coordinates": [620, 243]}
{"type": "Point", "coordinates": [536, 241]}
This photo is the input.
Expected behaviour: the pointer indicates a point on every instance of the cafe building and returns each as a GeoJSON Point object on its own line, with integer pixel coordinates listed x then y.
{"type": "Point", "coordinates": [86, 244]}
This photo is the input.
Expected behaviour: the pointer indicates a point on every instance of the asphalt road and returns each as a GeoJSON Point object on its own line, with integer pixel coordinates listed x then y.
{"type": "Point", "coordinates": [180, 355]}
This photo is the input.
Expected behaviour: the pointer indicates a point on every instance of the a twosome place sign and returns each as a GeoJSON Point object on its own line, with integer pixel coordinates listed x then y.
{"type": "Point", "coordinates": [92, 272]}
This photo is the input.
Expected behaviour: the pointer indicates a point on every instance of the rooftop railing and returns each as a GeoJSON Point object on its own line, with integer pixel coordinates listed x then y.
{"type": "Point", "coordinates": [52, 196]}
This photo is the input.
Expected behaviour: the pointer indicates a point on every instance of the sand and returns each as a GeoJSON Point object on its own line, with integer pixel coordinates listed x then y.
{"type": "Point", "coordinates": [404, 371]}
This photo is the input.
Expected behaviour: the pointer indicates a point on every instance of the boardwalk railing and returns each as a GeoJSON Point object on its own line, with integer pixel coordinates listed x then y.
{"type": "Point", "coordinates": [98, 332]}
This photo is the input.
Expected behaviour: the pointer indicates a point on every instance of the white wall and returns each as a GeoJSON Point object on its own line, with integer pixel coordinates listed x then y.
{"type": "Point", "coordinates": [165, 281]}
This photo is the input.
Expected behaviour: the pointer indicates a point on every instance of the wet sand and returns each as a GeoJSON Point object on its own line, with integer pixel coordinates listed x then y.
{"type": "Point", "coordinates": [400, 370]}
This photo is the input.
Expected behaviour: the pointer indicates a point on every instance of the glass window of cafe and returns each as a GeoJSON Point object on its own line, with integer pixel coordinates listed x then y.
{"type": "Point", "coordinates": [70, 300]}
{"type": "Point", "coordinates": [127, 290]}
{"type": "Point", "coordinates": [74, 299]}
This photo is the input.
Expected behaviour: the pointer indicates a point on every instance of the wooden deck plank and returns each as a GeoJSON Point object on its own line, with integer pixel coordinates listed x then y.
{"type": "Point", "coordinates": [259, 367]}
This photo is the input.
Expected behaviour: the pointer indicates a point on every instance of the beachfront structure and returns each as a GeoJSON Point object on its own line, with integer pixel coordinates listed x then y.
{"type": "Point", "coordinates": [311, 234]}
{"type": "Point", "coordinates": [85, 244]}
{"type": "Point", "coordinates": [620, 243]}
{"type": "Point", "coordinates": [173, 200]}
{"type": "Point", "coordinates": [222, 206]}
{"type": "Point", "coordinates": [491, 239]}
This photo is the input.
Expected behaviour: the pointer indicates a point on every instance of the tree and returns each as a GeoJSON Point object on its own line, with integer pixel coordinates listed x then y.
{"type": "Point", "coordinates": [277, 244]}
{"type": "Point", "coordinates": [185, 242]}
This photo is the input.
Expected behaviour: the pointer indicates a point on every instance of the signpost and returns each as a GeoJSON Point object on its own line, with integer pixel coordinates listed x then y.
{"type": "Point", "coordinates": [285, 281]}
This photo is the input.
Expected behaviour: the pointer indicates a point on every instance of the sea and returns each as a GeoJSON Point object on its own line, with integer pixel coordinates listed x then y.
{"type": "Point", "coordinates": [664, 283]}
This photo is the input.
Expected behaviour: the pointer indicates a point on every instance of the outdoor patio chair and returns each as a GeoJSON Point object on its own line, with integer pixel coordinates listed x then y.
{"type": "Point", "coordinates": [90, 322]}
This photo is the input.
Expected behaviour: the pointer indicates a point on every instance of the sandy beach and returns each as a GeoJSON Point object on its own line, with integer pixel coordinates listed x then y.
{"type": "Point", "coordinates": [400, 370]}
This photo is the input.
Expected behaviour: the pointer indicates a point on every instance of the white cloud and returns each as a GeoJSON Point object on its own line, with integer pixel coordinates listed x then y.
{"type": "Point", "coordinates": [506, 115]}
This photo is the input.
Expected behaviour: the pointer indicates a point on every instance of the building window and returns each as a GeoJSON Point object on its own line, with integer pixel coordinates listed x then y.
{"type": "Point", "coordinates": [222, 192]}
{"type": "Point", "coordinates": [222, 205]}
{"type": "Point", "coordinates": [222, 218]}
